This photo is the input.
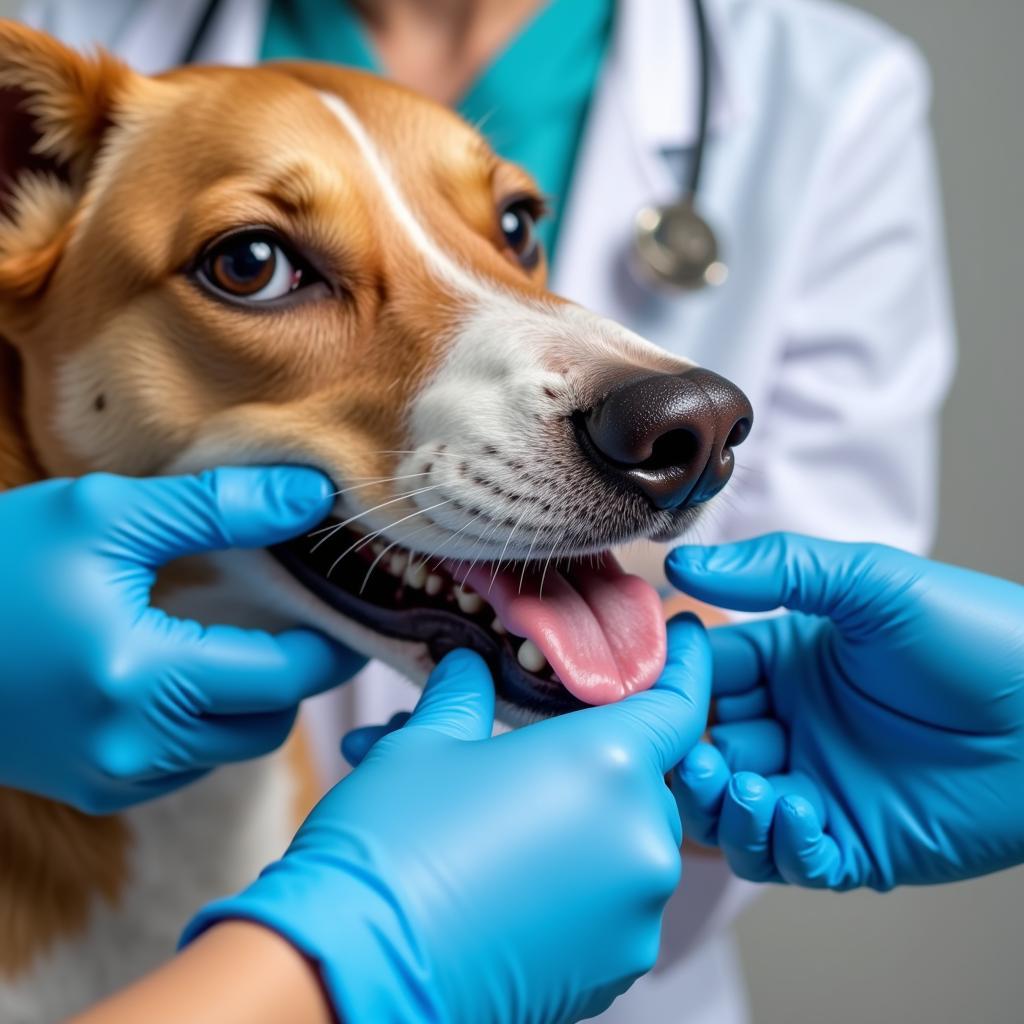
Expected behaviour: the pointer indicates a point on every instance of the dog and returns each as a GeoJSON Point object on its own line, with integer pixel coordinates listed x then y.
{"type": "Point", "coordinates": [305, 264]}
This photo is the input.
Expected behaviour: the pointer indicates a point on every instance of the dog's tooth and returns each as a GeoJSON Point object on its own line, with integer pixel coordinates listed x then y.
{"type": "Point", "coordinates": [416, 575]}
{"type": "Point", "coordinates": [397, 563]}
{"type": "Point", "coordinates": [530, 657]}
{"type": "Point", "coordinates": [433, 585]}
{"type": "Point", "coordinates": [499, 627]}
{"type": "Point", "coordinates": [469, 602]}
{"type": "Point", "coordinates": [378, 547]}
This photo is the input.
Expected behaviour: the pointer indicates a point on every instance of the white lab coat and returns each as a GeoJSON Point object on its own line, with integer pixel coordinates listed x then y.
{"type": "Point", "coordinates": [835, 320]}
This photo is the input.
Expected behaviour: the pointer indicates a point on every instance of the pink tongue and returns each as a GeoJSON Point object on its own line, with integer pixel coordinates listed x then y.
{"type": "Point", "coordinates": [602, 631]}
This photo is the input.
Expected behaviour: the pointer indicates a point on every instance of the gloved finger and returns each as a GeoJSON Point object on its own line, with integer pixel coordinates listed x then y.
{"type": "Point", "coordinates": [741, 656]}
{"type": "Point", "coordinates": [671, 716]}
{"type": "Point", "coordinates": [699, 782]}
{"type": "Point", "coordinates": [357, 743]}
{"type": "Point", "coordinates": [745, 827]}
{"type": "Point", "coordinates": [799, 784]}
{"type": "Point", "coordinates": [206, 742]}
{"type": "Point", "coordinates": [779, 569]}
{"type": "Point", "coordinates": [743, 706]}
{"type": "Point", "coordinates": [164, 518]}
{"type": "Point", "coordinates": [237, 671]}
{"type": "Point", "coordinates": [745, 658]}
{"type": "Point", "coordinates": [805, 855]}
{"type": "Point", "coordinates": [760, 746]}
{"type": "Point", "coordinates": [100, 797]}
{"type": "Point", "coordinates": [213, 741]}
{"type": "Point", "coordinates": [458, 699]}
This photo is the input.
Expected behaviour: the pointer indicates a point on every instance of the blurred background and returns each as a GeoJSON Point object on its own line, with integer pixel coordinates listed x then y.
{"type": "Point", "coordinates": [941, 956]}
{"type": "Point", "coordinates": [954, 954]}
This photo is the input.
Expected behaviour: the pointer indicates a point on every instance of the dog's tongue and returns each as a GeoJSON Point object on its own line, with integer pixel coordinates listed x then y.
{"type": "Point", "coordinates": [601, 630]}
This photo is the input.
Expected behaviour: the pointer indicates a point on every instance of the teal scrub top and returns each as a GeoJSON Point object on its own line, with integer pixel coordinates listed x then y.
{"type": "Point", "coordinates": [530, 102]}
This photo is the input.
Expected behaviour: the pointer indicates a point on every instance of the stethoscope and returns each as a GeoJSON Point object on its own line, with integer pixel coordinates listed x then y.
{"type": "Point", "coordinates": [674, 247]}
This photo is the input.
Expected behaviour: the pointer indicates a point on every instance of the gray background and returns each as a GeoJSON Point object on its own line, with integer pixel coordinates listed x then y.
{"type": "Point", "coordinates": [951, 955]}
{"type": "Point", "coordinates": [956, 954]}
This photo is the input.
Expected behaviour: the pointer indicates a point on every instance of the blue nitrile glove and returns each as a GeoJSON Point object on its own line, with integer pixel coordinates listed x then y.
{"type": "Point", "coordinates": [462, 879]}
{"type": "Point", "coordinates": [877, 740]}
{"type": "Point", "coordinates": [105, 701]}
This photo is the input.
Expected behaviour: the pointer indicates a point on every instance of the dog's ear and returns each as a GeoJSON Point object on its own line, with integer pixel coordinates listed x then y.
{"type": "Point", "coordinates": [55, 107]}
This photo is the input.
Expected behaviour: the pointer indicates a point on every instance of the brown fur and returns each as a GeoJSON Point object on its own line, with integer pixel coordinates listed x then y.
{"type": "Point", "coordinates": [56, 863]}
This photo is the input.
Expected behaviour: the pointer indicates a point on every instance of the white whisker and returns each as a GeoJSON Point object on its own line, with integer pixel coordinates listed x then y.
{"type": "Point", "coordinates": [412, 515]}
{"type": "Point", "coordinates": [526, 562]}
{"type": "Point", "coordinates": [547, 563]}
{"type": "Point", "coordinates": [416, 451]}
{"type": "Point", "coordinates": [374, 564]}
{"type": "Point", "coordinates": [335, 527]}
{"type": "Point", "coordinates": [508, 540]}
{"type": "Point", "coordinates": [482, 541]}
{"type": "Point", "coordinates": [448, 540]}
{"type": "Point", "coordinates": [377, 560]}
{"type": "Point", "coordinates": [370, 481]}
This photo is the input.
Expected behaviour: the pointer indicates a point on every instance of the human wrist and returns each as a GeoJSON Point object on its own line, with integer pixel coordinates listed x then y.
{"type": "Point", "coordinates": [351, 930]}
{"type": "Point", "coordinates": [237, 972]}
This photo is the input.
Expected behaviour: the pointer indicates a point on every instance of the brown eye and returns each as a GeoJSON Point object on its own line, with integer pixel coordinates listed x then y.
{"type": "Point", "coordinates": [518, 223]}
{"type": "Point", "coordinates": [254, 266]}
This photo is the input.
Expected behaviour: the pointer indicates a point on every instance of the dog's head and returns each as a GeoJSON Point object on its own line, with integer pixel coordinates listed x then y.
{"type": "Point", "coordinates": [306, 264]}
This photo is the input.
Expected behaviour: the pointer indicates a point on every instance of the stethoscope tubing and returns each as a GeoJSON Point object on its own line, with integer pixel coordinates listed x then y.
{"type": "Point", "coordinates": [199, 32]}
{"type": "Point", "coordinates": [703, 98]}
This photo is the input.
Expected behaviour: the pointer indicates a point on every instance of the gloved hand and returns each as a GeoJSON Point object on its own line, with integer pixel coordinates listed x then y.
{"type": "Point", "coordinates": [454, 878]}
{"type": "Point", "coordinates": [105, 701]}
{"type": "Point", "coordinates": [877, 740]}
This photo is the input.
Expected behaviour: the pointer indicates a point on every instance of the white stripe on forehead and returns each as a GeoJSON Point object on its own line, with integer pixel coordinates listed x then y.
{"type": "Point", "coordinates": [439, 262]}
{"type": "Point", "coordinates": [493, 308]}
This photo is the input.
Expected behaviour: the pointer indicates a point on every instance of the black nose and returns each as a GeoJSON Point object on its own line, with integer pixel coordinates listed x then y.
{"type": "Point", "coordinates": [670, 435]}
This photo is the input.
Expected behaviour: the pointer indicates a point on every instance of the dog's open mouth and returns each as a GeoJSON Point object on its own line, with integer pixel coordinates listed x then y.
{"type": "Point", "coordinates": [556, 636]}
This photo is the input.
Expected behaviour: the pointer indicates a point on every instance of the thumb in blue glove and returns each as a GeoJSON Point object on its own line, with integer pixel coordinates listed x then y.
{"type": "Point", "coordinates": [457, 877]}
{"type": "Point", "coordinates": [874, 737]}
{"type": "Point", "coordinates": [108, 701]}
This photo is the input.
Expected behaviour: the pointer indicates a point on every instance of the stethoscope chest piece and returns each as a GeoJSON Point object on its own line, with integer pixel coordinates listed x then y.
{"type": "Point", "coordinates": [675, 248]}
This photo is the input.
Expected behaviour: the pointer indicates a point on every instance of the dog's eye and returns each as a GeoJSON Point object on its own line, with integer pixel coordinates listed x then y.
{"type": "Point", "coordinates": [254, 266]}
{"type": "Point", "coordinates": [518, 222]}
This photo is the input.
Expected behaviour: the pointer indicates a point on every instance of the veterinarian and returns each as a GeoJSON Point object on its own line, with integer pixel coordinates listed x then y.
{"type": "Point", "coordinates": [818, 180]}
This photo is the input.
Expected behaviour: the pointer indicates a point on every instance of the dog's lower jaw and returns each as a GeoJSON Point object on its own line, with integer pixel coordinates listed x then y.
{"type": "Point", "coordinates": [252, 589]}
{"type": "Point", "coordinates": [264, 594]}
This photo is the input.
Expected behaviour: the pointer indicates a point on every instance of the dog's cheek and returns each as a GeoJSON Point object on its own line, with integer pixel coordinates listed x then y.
{"type": "Point", "coordinates": [98, 410]}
